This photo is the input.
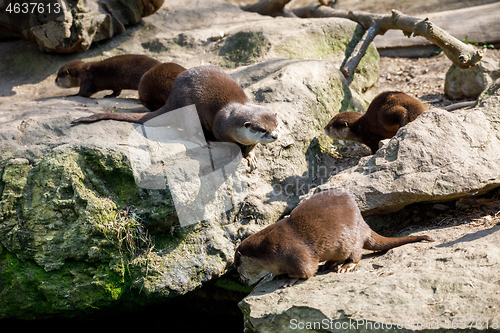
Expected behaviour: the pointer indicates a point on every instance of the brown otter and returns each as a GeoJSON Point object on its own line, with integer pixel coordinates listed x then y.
{"type": "Point", "coordinates": [326, 227]}
{"type": "Point", "coordinates": [225, 112]}
{"type": "Point", "coordinates": [156, 84]}
{"type": "Point", "coordinates": [386, 114]}
{"type": "Point", "coordinates": [115, 73]}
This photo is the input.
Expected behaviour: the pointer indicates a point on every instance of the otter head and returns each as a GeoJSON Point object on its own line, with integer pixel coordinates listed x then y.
{"type": "Point", "coordinates": [68, 74]}
{"type": "Point", "coordinates": [339, 128]}
{"type": "Point", "coordinates": [250, 269]}
{"type": "Point", "coordinates": [259, 126]}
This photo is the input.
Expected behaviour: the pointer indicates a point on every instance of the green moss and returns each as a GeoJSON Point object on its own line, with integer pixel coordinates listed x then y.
{"type": "Point", "coordinates": [232, 285]}
{"type": "Point", "coordinates": [311, 45]}
{"type": "Point", "coordinates": [57, 258]}
{"type": "Point", "coordinates": [491, 90]}
{"type": "Point", "coordinates": [244, 47]}
{"type": "Point", "coordinates": [12, 182]}
{"type": "Point", "coordinates": [333, 42]}
{"type": "Point", "coordinates": [29, 292]}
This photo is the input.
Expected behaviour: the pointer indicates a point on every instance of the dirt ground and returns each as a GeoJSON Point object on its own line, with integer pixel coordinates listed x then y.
{"type": "Point", "coordinates": [422, 78]}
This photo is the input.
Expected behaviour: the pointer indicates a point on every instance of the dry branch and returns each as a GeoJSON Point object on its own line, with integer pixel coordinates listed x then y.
{"type": "Point", "coordinates": [462, 55]}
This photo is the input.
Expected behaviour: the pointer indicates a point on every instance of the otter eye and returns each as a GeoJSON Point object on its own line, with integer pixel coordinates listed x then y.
{"type": "Point", "coordinates": [346, 124]}
{"type": "Point", "coordinates": [262, 130]}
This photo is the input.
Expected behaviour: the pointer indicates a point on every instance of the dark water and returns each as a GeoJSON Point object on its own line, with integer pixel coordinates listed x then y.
{"type": "Point", "coordinates": [160, 319]}
{"type": "Point", "coordinates": [209, 309]}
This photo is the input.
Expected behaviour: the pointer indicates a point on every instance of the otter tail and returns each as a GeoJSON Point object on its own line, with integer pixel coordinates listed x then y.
{"type": "Point", "coordinates": [377, 242]}
{"type": "Point", "coordinates": [138, 118]}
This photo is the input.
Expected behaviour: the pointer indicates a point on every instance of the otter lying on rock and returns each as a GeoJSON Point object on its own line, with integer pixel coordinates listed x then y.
{"type": "Point", "coordinates": [225, 111]}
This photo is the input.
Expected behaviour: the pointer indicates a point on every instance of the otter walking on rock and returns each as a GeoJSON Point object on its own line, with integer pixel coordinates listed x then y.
{"type": "Point", "coordinates": [326, 227]}
{"type": "Point", "coordinates": [115, 73]}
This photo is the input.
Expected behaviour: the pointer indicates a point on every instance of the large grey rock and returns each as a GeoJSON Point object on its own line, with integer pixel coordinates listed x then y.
{"type": "Point", "coordinates": [470, 83]}
{"type": "Point", "coordinates": [439, 156]}
{"type": "Point", "coordinates": [441, 286]}
{"type": "Point", "coordinates": [73, 221]}
{"type": "Point", "coordinates": [69, 26]}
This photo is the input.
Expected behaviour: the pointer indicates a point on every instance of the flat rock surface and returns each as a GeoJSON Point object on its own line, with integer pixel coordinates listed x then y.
{"type": "Point", "coordinates": [450, 283]}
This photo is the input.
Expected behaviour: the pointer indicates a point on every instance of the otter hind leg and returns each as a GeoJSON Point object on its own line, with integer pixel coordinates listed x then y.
{"type": "Point", "coordinates": [347, 267]}
{"type": "Point", "coordinates": [351, 262]}
{"type": "Point", "coordinates": [329, 266]}
{"type": "Point", "coordinates": [338, 267]}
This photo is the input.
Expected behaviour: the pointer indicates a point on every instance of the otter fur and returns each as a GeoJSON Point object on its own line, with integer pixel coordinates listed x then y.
{"type": "Point", "coordinates": [225, 112]}
{"type": "Point", "coordinates": [156, 84]}
{"type": "Point", "coordinates": [327, 227]}
{"type": "Point", "coordinates": [386, 114]}
{"type": "Point", "coordinates": [115, 73]}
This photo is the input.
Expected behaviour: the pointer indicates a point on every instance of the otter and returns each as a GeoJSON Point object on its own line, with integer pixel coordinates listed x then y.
{"type": "Point", "coordinates": [225, 111]}
{"type": "Point", "coordinates": [115, 73]}
{"type": "Point", "coordinates": [387, 112]}
{"type": "Point", "coordinates": [326, 227]}
{"type": "Point", "coordinates": [156, 84]}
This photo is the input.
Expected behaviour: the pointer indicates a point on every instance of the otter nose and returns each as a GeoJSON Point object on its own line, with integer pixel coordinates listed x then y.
{"type": "Point", "coordinates": [275, 135]}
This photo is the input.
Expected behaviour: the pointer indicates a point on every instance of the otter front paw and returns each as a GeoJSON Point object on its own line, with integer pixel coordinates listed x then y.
{"type": "Point", "coordinates": [252, 160]}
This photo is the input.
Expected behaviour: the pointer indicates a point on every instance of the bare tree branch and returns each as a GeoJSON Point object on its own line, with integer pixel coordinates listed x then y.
{"type": "Point", "coordinates": [462, 55]}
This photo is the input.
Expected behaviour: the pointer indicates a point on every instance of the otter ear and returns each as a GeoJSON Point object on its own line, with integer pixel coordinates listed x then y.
{"type": "Point", "coordinates": [247, 124]}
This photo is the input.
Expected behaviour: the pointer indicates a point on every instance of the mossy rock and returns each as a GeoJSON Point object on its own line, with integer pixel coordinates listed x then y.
{"type": "Point", "coordinates": [59, 250]}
